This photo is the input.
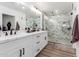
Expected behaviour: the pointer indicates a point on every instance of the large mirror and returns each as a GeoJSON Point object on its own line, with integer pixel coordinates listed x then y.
{"type": "Point", "coordinates": [8, 22]}
{"type": "Point", "coordinates": [33, 22]}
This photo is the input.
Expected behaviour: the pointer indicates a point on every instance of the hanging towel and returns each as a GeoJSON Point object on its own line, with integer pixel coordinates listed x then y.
{"type": "Point", "coordinates": [75, 32]}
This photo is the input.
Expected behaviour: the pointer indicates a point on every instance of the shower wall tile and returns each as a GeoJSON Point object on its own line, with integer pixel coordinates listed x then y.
{"type": "Point", "coordinates": [56, 31]}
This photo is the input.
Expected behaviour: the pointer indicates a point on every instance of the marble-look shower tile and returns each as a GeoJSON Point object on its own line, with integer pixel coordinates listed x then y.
{"type": "Point", "coordinates": [55, 26]}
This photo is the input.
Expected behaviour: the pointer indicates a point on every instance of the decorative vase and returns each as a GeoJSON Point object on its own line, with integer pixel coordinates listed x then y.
{"type": "Point", "coordinates": [17, 26]}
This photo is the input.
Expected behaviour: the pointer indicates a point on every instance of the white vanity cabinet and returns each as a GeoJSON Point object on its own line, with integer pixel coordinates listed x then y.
{"type": "Point", "coordinates": [26, 46]}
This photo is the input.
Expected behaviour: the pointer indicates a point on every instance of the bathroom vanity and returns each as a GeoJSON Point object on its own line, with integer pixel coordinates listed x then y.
{"type": "Point", "coordinates": [23, 44]}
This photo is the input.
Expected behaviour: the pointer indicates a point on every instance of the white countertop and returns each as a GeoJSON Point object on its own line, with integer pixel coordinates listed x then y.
{"type": "Point", "coordinates": [8, 38]}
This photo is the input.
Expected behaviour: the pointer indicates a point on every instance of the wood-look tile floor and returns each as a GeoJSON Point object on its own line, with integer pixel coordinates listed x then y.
{"type": "Point", "coordinates": [57, 50]}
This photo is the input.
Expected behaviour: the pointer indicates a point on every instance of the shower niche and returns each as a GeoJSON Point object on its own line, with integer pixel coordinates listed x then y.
{"type": "Point", "coordinates": [8, 22]}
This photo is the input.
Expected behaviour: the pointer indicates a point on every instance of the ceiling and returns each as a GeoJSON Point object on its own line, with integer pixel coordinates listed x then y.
{"type": "Point", "coordinates": [53, 8]}
{"type": "Point", "coordinates": [19, 7]}
{"type": "Point", "coordinates": [48, 8]}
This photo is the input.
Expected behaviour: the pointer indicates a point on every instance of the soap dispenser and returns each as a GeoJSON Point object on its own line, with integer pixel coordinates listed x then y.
{"type": "Point", "coordinates": [17, 26]}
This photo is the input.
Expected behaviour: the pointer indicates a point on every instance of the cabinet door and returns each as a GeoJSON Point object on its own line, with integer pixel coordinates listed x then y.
{"type": "Point", "coordinates": [32, 47]}
{"type": "Point", "coordinates": [26, 47]}
{"type": "Point", "coordinates": [14, 53]}
{"type": "Point", "coordinates": [7, 48]}
{"type": "Point", "coordinates": [35, 48]}
{"type": "Point", "coordinates": [10, 53]}
{"type": "Point", "coordinates": [28, 52]}
{"type": "Point", "coordinates": [12, 48]}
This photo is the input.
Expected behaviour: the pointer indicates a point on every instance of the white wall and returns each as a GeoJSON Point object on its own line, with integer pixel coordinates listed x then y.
{"type": "Point", "coordinates": [19, 16]}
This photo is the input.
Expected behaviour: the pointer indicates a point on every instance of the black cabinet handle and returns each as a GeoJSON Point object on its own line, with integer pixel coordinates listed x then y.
{"type": "Point", "coordinates": [23, 51]}
{"type": "Point", "coordinates": [20, 53]}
